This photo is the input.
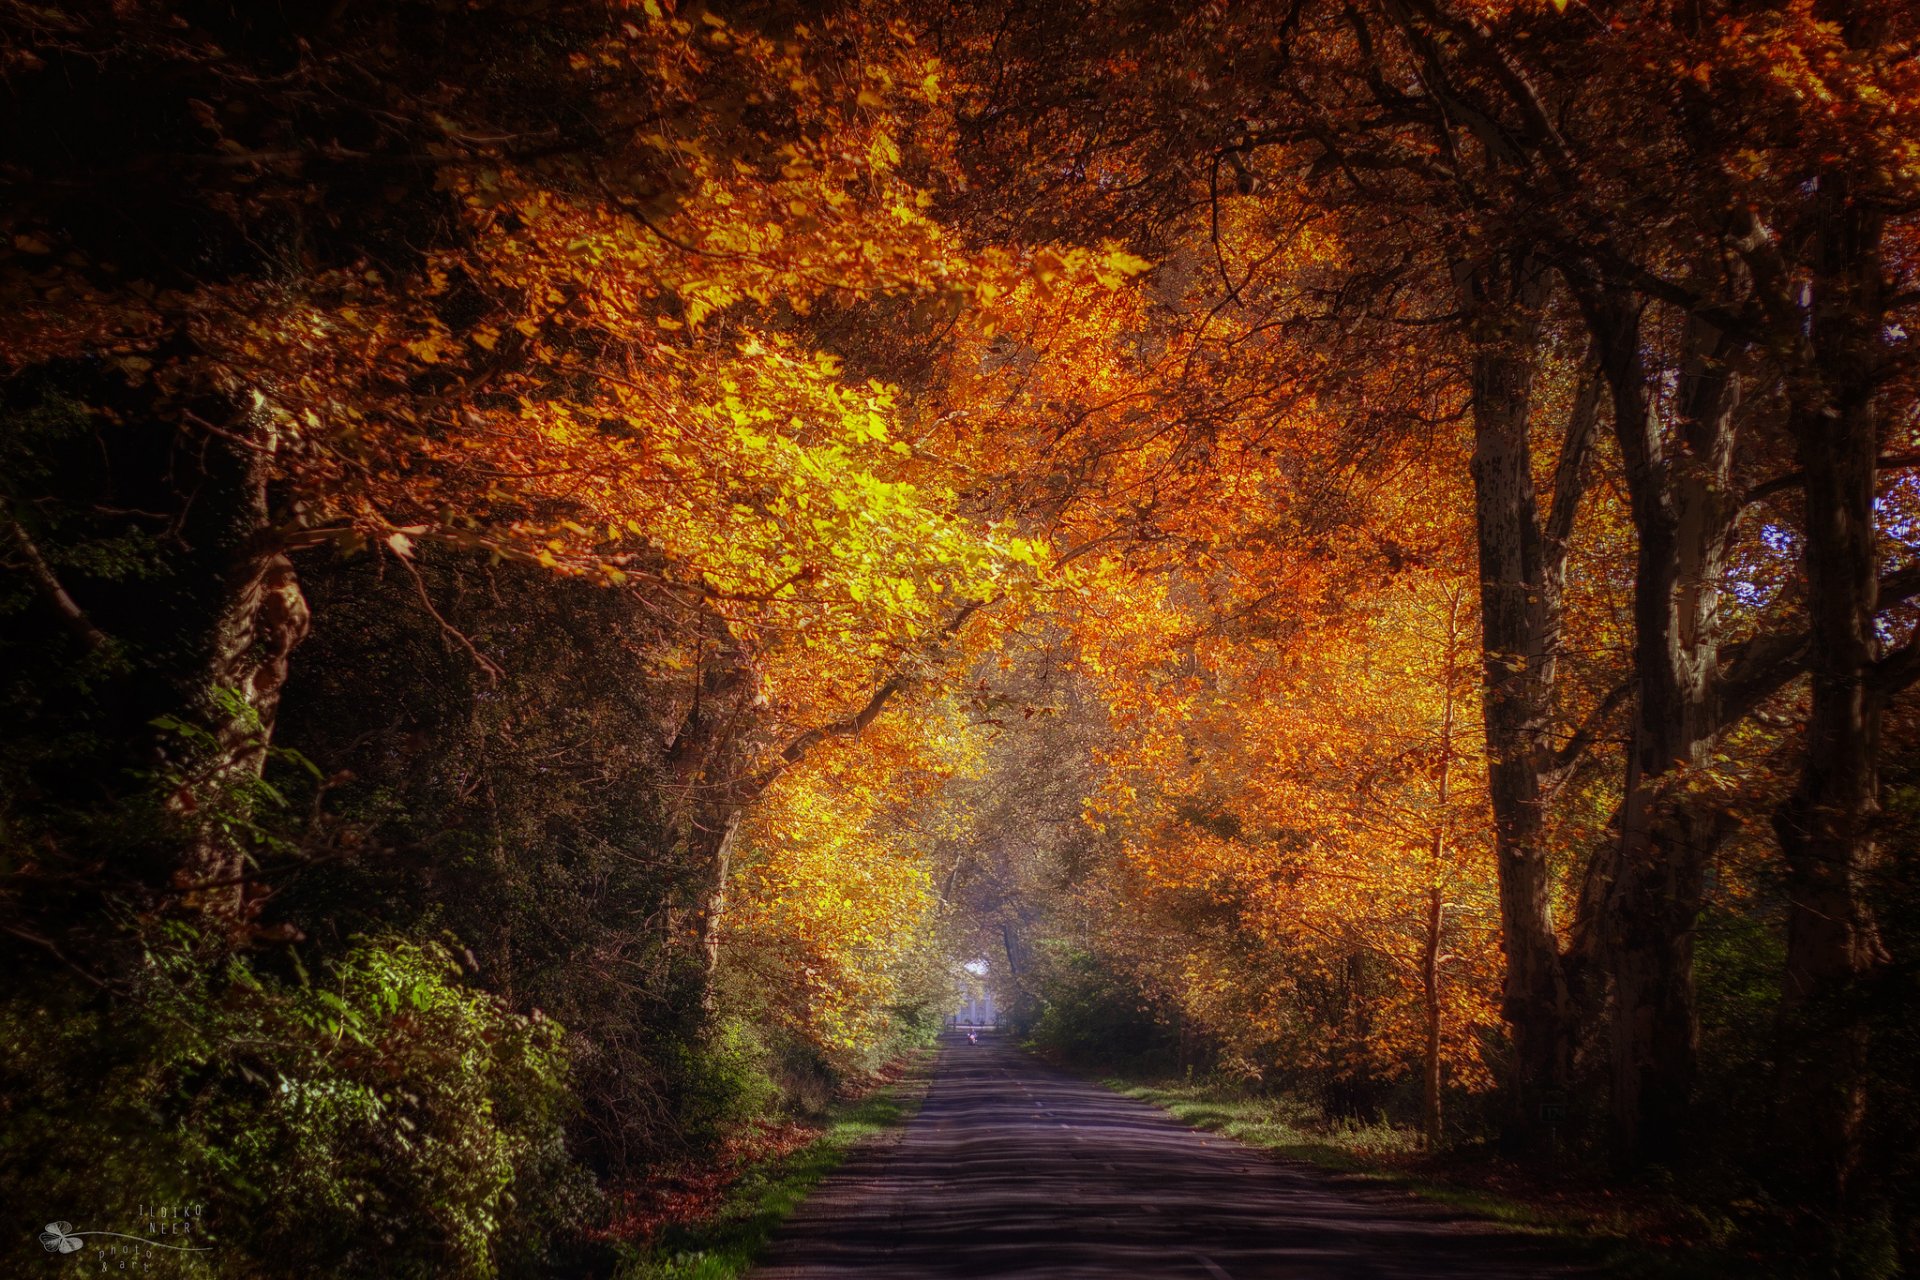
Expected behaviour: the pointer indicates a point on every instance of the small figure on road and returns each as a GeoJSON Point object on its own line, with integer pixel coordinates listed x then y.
{"type": "Point", "coordinates": [973, 1037]}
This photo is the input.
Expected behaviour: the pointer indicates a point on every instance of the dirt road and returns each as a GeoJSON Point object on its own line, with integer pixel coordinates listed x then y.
{"type": "Point", "coordinates": [1013, 1169]}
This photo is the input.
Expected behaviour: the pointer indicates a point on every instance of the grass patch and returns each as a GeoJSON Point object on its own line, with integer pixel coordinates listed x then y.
{"type": "Point", "coordinates": [1611, 1230]}
{"type": "Point", "coordinates": [1283, 1125]}
{"type": "Point", "coordinates": [724, 1245]}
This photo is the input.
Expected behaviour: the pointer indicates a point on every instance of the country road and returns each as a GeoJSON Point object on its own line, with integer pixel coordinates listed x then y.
{"type": "Point", "coordinates": [1014, 1169]}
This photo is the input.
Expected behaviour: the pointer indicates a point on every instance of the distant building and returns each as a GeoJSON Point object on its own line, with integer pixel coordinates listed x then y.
{"type": "Point", "coordinates": [975, 1007]}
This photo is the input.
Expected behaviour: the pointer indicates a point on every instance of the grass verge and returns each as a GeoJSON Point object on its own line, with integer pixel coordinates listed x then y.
{"type": "Point", "coordinates": [724, 1245]}
{"type": "Point", "coordinates": [1612, 1230]}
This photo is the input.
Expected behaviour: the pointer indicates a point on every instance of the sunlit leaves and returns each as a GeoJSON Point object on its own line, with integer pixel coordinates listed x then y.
{"type": "Point", "coordinates": [835, 910]}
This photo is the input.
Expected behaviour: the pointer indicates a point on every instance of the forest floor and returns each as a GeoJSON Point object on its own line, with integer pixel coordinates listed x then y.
{"type": "Point", "coordinates": [1638, 1232]}
{"type": "Point", "coordinates": [1016, 1170]}
{"type": "Point", "coordinates": [709, 1222]}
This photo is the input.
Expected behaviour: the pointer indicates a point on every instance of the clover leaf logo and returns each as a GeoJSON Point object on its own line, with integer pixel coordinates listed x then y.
{"type": "Point", "coordinates": [59, 1238]}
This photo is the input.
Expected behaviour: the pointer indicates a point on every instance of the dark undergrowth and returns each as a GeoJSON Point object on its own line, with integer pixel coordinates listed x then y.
{"type": "Point", "coordinates": [724, 1242]}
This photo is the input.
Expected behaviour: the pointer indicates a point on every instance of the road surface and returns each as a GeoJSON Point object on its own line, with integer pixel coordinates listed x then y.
{"type": "Point", "coordinates": [1013, 1169]}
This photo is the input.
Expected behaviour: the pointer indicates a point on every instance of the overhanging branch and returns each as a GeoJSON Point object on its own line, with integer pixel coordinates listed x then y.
{"type": "Point", "coordinates": [849, 726]}
{"type": "Point", "coordinates": [1583, 737]}
{"type": "Point", "coordinates": [1760, 667]}
{"type": "Point", "coordinates": [1794, 479]}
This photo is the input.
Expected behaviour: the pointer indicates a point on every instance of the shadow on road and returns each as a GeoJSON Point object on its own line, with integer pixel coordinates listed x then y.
{"type": "Point", "coordinates": [1014, 1169]}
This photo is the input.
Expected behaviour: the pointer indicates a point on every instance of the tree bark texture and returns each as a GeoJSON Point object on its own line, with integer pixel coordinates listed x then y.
{"type": "Point", "coordinates": [711, 790]}
{"type": "Point", "coordinates": [1520, 639]}
{"type": "Point", "coordinates": [1653, 885]}
{"type": "Point", "coordinates": [1826, 827]}
{"type": "Point", "coordinates": [261, 618]}
{"type": "Point", "coordinates": [1430, 1114]}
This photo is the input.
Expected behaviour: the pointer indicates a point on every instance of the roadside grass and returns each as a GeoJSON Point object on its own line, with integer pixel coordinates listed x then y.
{"type": "Point", "coordinates": [725, 1244]}
{"type": "Point", "coordinates": [1632, 1237]}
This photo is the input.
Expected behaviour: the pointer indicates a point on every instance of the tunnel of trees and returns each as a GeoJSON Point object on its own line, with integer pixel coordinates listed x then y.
{"type": "Point", "coordinates": [565, 562]}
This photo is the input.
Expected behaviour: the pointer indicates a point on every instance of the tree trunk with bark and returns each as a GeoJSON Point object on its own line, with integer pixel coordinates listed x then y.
{"type": "Point", "coordinates": [713, 782]}
{"type": "Point", "coordinates": [1430, 1116]}
{"type": "Point", "coordinates": [1826, 827]}
{"type": "Point", "coordinates": [1520, 573]}
{"type": "Point", "coordinates": [260, 619]}
{"type": "Point", "coordinates": [1653, 885]}
{"type": "Point", "coordinates": [710, 790]}
{"type": "Point", "coordinates": [1433, 957]}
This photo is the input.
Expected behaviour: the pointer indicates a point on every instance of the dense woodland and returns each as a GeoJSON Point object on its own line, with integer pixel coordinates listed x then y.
{"type": "Point", "coordinates": [565, 562]}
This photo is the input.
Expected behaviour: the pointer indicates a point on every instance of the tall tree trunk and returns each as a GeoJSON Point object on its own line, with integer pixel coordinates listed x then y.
{"type": "Point", "coordinates": [1432, 958]}
{"type": "Point", "coordinates": [1520, 640]}
{"type": "Point", "coordinates": [1655, 877]}
{"type": "Point", "coordinates": [1825, 828]}
{"type": "Point", "coordinates": [1430, 992]}
{"type": "Point", "coordinates": [720, 835]}
{"type": "Point", "coordinates": [261, 617]}
{"type": "Point", "coordinates": [709, 787]}
{"type": "Point", "coordinates": [713, 785]}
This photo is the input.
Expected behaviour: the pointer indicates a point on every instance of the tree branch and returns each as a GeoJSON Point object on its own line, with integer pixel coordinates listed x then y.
{"type": "Point", "coordinates": [849, 726]}
{"type": "Point", "coordinates": [1794, 479]}
{"type": "Point", "coordinates": [1762, 665]}
{"type": "Point", "coordinates": [1583, 737]}
{"type": "Point", "coordinates": [1569, 480]}
{"type": "Point", "coordinates": [43, 576]}
{"type": "Point", "coordinates": [1897, 671]}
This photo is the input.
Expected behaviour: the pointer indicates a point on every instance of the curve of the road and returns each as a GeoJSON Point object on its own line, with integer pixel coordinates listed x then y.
{"type": "Point", "coordinates": [1014, 1170]}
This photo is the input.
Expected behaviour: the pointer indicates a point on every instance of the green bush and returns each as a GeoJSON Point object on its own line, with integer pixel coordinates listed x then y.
{"type": "Point", "coordinates": [725, 1081]}
{"type": "Point", "coordinates": [375, 1118]}
{"type": "Point", "coordinates": [1088, 1014]}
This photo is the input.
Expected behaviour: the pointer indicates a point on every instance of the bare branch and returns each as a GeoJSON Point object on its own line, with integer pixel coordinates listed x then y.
{"type": "Point", "coordinates": [1583, 737]}
{"type": "Point", "coordinates": [43, 576]}
{"type": "Point", "coordinates": [1569, 472]}
{"type": "Point", "coordinates": [486, 664]}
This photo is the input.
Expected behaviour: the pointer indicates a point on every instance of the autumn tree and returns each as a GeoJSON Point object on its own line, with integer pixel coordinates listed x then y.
{"type": "Point", "coordinates": [1306, 532]}
{"type": "Point", "coordinates": [1490, 170]}
{"type": "Point", "coordinates": [527, 297]}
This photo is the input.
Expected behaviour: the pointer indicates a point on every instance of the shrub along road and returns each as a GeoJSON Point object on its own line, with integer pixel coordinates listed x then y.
{"type": "Point", "coordinates": [1014, 1169]}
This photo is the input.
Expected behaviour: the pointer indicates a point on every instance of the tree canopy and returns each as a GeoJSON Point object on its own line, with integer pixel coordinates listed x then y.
{"type": "Point", "coordinates": [566, 563]}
